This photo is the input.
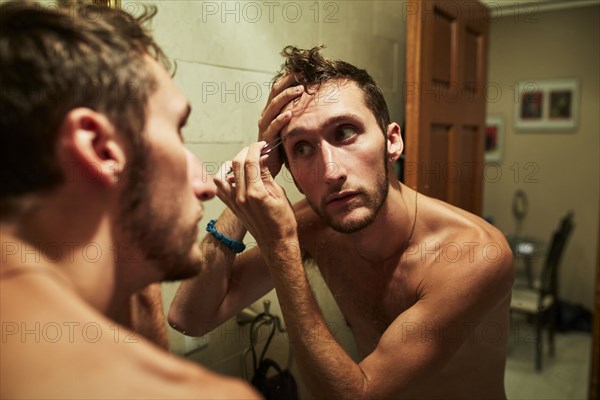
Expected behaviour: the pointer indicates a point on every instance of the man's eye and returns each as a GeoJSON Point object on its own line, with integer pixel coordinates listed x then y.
{"type": "Point", "coordinates": [345, 132]}
{"type": "Point", "coordinates": [303, 149]}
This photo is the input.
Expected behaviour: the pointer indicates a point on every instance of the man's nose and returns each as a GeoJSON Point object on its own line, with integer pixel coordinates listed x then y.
{"type": "Point", "coordinates": [203, 186]}
{"type": "Point", "coordinates": [333, 171]}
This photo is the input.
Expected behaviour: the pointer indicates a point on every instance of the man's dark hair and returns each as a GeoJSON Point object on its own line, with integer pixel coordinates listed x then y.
{"type": "Point", "coordinates": [311, 70]}
{"type": "Point", "coordinates": [54, 59]}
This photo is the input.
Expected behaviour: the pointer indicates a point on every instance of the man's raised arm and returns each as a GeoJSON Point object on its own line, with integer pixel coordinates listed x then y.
{"type": "Point", "coordinates": [225, 284]}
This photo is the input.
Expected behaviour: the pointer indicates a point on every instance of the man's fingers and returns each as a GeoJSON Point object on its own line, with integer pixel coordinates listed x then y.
{"type": "Point", "coordinates": [275, 106]}
{"type": "Point", "coordinates": [282, 83]}
{"type": "Point", "coordinates": [274, 129]}
{"type": "Point", "coordinates": [278, 123]}
{"type": "Point", "coordinates": [225, 191]}
{"type": "Point", "coordinates": [239, 174]}
{"type": "Point", "coordinates": [265, 172]}
{"type": "Point", "coordinates": [224, 172]}
{"type": "Point", "coordinates": [252, 164]}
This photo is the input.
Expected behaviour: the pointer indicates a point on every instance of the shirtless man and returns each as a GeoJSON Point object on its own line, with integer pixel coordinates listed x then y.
{"type": "Point", "coordinates": [424, 286]}
{"type": "Point", "coordinates": [99, 198]}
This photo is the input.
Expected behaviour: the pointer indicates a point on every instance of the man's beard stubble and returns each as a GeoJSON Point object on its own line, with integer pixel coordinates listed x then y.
{"type": "Point", "coordinates": [374, 202]}
{"type": "Point", "coordinates": [162, 242]}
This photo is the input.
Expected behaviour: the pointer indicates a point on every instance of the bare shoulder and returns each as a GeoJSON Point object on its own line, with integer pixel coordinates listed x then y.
{"type": "Point", "coordinates": [473, 253]}
{"type": "Point", "coordinates": [51, 335]}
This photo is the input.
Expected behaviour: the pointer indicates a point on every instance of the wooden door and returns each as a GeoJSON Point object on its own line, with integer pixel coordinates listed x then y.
{"type": "Point", "coordinates": [446, 69]}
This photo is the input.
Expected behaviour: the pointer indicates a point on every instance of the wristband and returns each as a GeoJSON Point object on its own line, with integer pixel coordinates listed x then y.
{"type": "Point", "coordinates": [234, 245]}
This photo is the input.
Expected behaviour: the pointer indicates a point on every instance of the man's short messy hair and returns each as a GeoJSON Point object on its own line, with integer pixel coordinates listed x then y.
{"type": "Point", "coordinates": [311, 70]}
{"type": "Point", "coordinates": [54, 59]}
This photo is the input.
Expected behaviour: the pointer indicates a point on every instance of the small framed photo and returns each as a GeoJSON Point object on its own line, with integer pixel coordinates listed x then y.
{"type": "Point", "coordinates": [547, 105]}
{"type": "Point", "coordinates": [494, 138]}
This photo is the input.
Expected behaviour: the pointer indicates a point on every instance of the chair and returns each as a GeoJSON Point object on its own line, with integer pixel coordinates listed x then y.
{"type": "Point", "coordinates": [540, 301]}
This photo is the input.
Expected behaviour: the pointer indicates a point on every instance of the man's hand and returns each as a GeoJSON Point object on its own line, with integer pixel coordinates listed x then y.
{"type": "Point", "coordinates": [256, 199]}
{"type": "Point", "coordinates": [272, 120]}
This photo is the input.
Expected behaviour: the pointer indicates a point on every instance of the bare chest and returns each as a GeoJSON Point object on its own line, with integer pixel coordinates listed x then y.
{"type": "Point", "coordinates": [371, 296]}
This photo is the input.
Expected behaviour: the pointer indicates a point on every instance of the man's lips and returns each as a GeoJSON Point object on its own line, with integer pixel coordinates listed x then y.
{"type": "Point", "coordinates": [341, 197]}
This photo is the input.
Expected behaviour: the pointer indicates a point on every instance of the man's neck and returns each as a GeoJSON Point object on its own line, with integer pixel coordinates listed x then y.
{"type": "Point", "coordinates": [73, 243]}
{"type": "Point", "coordinates": [396, 219]}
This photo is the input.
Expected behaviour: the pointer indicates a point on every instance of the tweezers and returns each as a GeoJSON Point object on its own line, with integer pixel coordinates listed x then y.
{"type": "Point", "coordinates": [273, 144]}
{"type": "Point", "coordinates": [270, 146]}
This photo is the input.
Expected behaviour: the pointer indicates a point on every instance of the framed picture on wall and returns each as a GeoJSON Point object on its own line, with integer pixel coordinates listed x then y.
{"type": "Point", "coordinates": [494, 138]}
{"type": "Point", "coordinates": [547, 104]}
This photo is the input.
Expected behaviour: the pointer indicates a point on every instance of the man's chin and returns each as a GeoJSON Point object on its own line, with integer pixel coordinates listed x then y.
{"type": "Point", "coordinates": [348, 227]}
{"type": "Point", "coordinates": [351, 222]}
{"type": "Point", "coordinates": [183, 267]}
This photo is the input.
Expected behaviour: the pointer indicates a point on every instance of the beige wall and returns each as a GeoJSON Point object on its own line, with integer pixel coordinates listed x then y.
{"type": "Point", "coordinates": [226, 55]}
{"type": "Point", "coordinates": [565, 165]}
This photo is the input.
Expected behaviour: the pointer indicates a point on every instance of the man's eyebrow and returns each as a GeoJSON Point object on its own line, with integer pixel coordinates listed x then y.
{"type": "Point", "coordinates": [335, 120]}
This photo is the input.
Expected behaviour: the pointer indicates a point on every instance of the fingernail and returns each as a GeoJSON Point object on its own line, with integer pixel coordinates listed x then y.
{"type": "Point", "coordinates": [299, 88]}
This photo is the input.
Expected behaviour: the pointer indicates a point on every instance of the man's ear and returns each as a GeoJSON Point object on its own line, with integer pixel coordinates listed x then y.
{"type": "Point", "coordinates": [394, 142]}
{"type": "Point", "coordinates": [91, 142]}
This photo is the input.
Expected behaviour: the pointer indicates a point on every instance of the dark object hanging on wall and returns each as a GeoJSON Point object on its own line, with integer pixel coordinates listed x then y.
{"type": "Point", "coordinates": [280, 386]}
{"type": "Point", "coordinates": [272, 381]}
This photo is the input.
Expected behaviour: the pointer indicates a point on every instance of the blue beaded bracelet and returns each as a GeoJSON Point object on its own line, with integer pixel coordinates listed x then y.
{"type": "Point", "coordinates": [234, 245]}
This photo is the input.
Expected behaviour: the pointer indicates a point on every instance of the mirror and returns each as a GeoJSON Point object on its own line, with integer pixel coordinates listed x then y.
{"type": "Point", "coordinates": [372, 35]}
